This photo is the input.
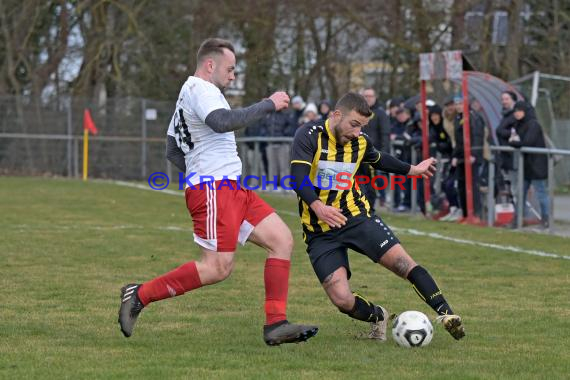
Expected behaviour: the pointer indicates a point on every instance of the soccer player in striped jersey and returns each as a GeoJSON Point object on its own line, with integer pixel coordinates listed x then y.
{"type": "Point", "coordinates": [336, 216]}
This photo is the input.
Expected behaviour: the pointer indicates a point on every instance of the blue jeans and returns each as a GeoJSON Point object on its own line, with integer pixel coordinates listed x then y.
{"type": "Point", "coordinates": [539, 186]}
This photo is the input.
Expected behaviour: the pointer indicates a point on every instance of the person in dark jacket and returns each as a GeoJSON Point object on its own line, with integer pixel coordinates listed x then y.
{"type": "Point", "coordinates": [437, 133]}
{"type": "Point", "coordinates": [505, 176]}
{"type": "Point", "coordinates": [297, 107]}
{"type": "Point", "coordinates": [477, 137]}
{"type": "Point", "coordinates": [378, 129]}
{"type": "Point", "coordinates": [278, 124]}
{"type": "Point", "coordinates": [528, 132]}
{"type": "Point", "coordinates": [503, 130]}
{"type": "Point", "coordinates": [413, 141]}
{"type": "Point", "coordinates": [324, 109]}
{"type": "Point", "coordinates": [256, 130]}
{"type": "Point", "coordinates": [402, 152]}
{"type": "Point", "coordinates": [393, 106]}
{"type": "Point", "coordinates": [442, 144]}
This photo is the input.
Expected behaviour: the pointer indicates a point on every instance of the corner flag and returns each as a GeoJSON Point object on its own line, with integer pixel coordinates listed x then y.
{"type": "Point", "coordinates": [88, 126]}
{"type": "Point", "coordinates": [88, 123]}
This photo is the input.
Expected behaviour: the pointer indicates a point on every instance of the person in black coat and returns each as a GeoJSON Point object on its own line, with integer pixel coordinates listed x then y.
{"type": "Point", "coordinates": [438, 137]}
{"type": "Point", "coordinates": [378, 129]}
{"type": "Point", "coordinates": [528, 133]}
{"type": "Point", "coordinates": [402, 152]}
{"type": "Point", "coordinates": [278, 124]}
{"type": "Point", "coordinates": [441, 142]}
{"type": "Point", "coordinates": [413, 141]}
{"type": "Point", "coordinates": [324, 109]}
{"type": "Point", "coordinates": [256, 130]}
{"type": "Point", "coordinates": [477, 137]}
{"type": "Point", "coordinates": [503, 130]}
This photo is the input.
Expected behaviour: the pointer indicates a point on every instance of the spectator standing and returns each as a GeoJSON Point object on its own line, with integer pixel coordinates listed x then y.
{"type": "Point", "coordinates": [528, 132]}
{"type": "Point", "coordinates": [297, 107]}
{"type": "Point", "coordinates": [402, 152]}
{"type": "Point", "coordinates": [440, 139]}
{"type": "Point", "coordinates": [324, 109]}
{"type": "Point", "coordinates": [278, 124]}
{"type": "Point", "coordinates": [310, 114]}
{"type": "Point", "coordinates": [477, 135]}
{"type": "Point", "coordinates": [378, 129]}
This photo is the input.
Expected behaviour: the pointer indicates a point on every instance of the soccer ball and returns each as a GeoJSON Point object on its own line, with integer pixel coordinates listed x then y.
{"type": "Point", "coordinates": [412, 329]}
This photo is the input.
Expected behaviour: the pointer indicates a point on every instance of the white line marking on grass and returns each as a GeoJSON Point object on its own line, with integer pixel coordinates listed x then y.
{"type": "Point", "coordinates": [510, 248]}
{"type": "Point", "coordinates": [173, 228]}
{"type": "Point", "coordinates": [143, 187]}
{"type": "Point", "coordinates": [434, 235]}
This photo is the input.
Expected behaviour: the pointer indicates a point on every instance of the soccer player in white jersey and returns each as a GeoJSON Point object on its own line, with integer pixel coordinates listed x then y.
{"type": "Point", "coordinates": [201, 143]}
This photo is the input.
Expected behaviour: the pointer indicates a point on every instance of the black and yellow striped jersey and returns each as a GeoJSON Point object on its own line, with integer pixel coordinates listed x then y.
{"type": "Point", "coordinates": [332, 172]}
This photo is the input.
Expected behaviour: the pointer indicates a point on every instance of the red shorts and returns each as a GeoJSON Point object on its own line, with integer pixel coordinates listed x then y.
{"type": "Point", "coordinates": [222, 216]}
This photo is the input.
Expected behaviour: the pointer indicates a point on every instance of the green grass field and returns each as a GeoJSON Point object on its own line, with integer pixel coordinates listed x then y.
{"type": "Point", "coordinates": [66, 247]}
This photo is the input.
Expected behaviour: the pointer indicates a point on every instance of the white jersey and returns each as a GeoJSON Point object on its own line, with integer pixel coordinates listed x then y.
{"type": "Point", "coordinates": [207, 154]}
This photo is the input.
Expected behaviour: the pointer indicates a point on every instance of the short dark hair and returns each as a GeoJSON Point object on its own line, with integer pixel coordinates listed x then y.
{"type": "Point", "coordinates": [213, 46]}
{"type": "Point", "coordinates": [512, 95]}
{"type": "Point", "coordinates": [353, 101]}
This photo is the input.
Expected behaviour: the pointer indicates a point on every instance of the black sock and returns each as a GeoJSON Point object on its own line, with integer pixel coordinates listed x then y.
{"type": "Point", "coordinates": [364, 310]}
{"type": "Point", "coordinates": [427, 289]}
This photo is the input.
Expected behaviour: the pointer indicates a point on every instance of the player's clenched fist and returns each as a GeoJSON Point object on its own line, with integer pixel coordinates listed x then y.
{"type": "Point", "coordinates": [280, 99]}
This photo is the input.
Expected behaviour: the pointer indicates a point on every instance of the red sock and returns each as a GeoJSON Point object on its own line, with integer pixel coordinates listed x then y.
{"type": "Point", "coordinates": [174, 283]}
{"type": "Point", "coordinates": [276, 287]}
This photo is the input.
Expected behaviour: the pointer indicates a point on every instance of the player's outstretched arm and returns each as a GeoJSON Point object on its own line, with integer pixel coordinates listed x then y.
{"type": "Point", "coordinates": [426, 168]}
{"type": "Point", "coordinates": [223, 120]}
{"type": "Point", "coordinates": [391, 164]}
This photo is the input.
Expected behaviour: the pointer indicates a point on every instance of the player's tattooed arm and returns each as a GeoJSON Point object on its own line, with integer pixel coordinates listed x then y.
{"type": "Point", "coordinates": [223, 120]}
{"type": "Point", "coordinates": [174, 154]}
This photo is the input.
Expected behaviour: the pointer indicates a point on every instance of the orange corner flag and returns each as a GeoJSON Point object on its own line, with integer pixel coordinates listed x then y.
{"type": "Point", "coordinates": [88, 123]}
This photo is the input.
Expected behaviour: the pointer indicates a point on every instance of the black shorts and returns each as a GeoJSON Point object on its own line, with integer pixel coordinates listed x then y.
{"type": "Point", "coordinates": [328, 251]}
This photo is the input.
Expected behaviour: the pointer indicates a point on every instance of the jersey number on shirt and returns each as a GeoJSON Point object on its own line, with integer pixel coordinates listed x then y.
{"type": "Point", "coordinates": [181, 130]}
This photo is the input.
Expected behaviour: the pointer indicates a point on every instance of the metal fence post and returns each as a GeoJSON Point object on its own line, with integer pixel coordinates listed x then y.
{"type": "Point", "coordinates": [143, 139]}
{"type": "Point", "coordinates": [551, 184]}
{"type": "Point", "coordinates": [256, 162]}
{"type": "Point", "coordinates": [414, 194]}
{"type": "Point", "coordinates": [438, 175]}
{"type": "Point", "coordinates": [242, 148]}
{"type": "Point", "coordinates": [69, 142]}
{"type": "Point", "coordinates": [520, 188]}
{"type": "Point", "coordinates": [76, 157]}
{"type": "Point", "coordinates": [491, 193]}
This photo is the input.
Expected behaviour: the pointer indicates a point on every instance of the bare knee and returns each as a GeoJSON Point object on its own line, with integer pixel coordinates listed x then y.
{"type": "Point", "coordinates": [224, 269]}
{"type": "Point", "coordinates": [282, 245]}
{"type": "Point", "coordinates": [273, 235]}
{"type": "Point", "coordinates": [213, 270]}
{"type": "Point", "coordinates": [398, 261]}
